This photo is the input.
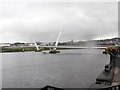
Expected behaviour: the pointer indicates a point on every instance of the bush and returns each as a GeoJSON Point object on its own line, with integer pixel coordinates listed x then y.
{"type": "Point", "coordinates": [108, 49]}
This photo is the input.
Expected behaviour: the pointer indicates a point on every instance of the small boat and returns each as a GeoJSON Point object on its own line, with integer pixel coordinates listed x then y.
{"type": "Point", "coordinates": [104, 52]}
{"type": "Point", "coordinates": [108, 67]}
{"type": "Point", "coordinates": [38, 50]}
{"type": "Point", "coordinates": [54, 51]}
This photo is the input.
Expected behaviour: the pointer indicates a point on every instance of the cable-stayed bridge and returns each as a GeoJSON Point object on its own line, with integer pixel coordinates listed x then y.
{"type": "Point", "coordinates": [59, 47]}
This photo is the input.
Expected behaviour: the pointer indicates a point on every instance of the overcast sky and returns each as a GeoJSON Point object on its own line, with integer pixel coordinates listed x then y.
{"type": "Point", "coordinates": [41, 21]}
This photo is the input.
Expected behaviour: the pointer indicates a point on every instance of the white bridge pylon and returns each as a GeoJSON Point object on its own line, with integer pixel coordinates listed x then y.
{"type": "Point", "coordinates": [36, 46]}
{"type": "Point", "coordinates": [53, 50]}
{"type": "Point", "coordinates": [56, 44]}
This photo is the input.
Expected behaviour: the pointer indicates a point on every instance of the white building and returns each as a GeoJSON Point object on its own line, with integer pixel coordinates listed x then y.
{"type": "Point", "coordinates": [4, 44]}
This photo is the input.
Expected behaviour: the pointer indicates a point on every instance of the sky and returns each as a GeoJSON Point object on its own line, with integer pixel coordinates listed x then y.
{"type": "Point", "coordinates": [33, 20]}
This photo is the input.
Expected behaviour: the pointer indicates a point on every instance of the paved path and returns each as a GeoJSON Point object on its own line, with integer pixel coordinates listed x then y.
{"type": "Point", "coordinates": [116, 79]}
{"type": "Point", "coordinates": [117, 61]}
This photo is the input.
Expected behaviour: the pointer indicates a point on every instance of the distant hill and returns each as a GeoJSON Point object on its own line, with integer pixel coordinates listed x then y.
{"type": "Point", "coordinates": [103, 42]}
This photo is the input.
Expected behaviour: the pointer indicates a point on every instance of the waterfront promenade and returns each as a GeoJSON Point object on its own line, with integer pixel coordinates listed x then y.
{"type": "Point", "coordinates": [110, 77]}
{"type": "Point", "coordinates": [116, 79]}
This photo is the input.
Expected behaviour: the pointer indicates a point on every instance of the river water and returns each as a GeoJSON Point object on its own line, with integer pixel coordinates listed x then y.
{"type": "Point", "coordinates": [68, 69]}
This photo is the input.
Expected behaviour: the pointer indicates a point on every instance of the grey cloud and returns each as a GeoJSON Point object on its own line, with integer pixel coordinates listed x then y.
{"type": "Point", "coordinates": [42, 21]}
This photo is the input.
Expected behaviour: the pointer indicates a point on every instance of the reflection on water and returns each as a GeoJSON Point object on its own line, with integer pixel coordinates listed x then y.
{"type": "Point", "coordinates": [68, 69]}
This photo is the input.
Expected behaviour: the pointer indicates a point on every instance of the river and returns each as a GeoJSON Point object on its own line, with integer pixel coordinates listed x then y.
{"type": "Point", "coordinates": [68, 69]}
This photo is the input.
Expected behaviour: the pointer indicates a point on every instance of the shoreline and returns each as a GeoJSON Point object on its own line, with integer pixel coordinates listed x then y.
{"type": "Point", "coordinates": [109, 78]}
{"type": "Point", "coordinates": [26, 49]}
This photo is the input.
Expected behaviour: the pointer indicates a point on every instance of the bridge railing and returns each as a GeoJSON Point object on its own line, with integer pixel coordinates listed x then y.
{"type": "Point", "coordinates": [115, 87]}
